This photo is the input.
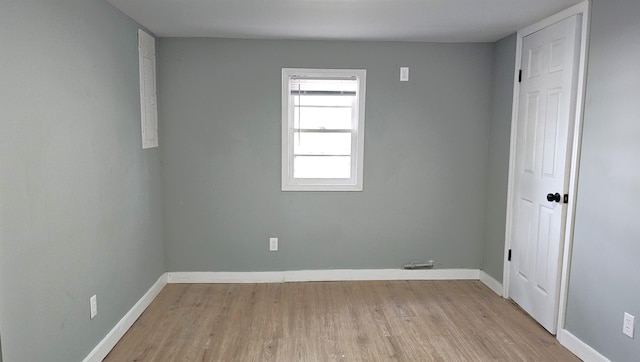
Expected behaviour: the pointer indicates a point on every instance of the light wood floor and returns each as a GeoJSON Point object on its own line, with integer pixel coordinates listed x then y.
{"type": "Point", "coordinates": [336, 321]}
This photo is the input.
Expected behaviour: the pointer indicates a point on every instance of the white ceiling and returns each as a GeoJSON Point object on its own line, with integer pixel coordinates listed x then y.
{"type": "Point", "coordinates": [398, 20]}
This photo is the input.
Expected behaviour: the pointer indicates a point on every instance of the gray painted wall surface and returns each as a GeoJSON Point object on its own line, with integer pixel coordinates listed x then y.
{"type": "Point", "coordinates": [425, 162]}
{"type": "Point", "coordinates": [498, 168]}
{"type": "Point", "coordinates": [80, 210]}
{"type": "Point", "coordinates": [605, 271]}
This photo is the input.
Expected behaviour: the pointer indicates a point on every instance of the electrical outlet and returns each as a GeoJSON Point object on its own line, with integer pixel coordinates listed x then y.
{"type": "Point", "coordinates": [273, 244]}
{"type": "Point", "coordinates": [404, 74]}
{"type": "Point", "coordinates": [93, 302]}
{"type": "Point", "coordinates": [628, 324]}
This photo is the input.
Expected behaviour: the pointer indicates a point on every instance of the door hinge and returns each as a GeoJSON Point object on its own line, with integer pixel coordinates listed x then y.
{"type": "Point", "coordinates": [565, 199]}
{"type": "Point", "coordinates": [509, 255]}
{"type": "Point", "coordinates": [520, 76]}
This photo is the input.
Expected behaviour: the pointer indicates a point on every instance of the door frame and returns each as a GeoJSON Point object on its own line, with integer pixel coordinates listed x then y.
{"type": "Point", "coordinates": [574, 153]}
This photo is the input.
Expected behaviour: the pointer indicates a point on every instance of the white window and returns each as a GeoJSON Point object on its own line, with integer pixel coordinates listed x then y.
{"type": "Point", "coordinates": [322, 129]}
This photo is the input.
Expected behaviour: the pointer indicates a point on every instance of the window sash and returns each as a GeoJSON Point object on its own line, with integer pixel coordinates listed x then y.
{"type": "Point", "coordinates": [353, 151]}
{"type": "Point", "coordinates": [329, 150]}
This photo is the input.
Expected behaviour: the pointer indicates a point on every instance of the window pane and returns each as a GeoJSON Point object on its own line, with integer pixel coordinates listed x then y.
{"type": "Point", "coordinates": [322, 118]}
{"type": "Point", "coordinates": [323, 100]}
{"type": "Point", "coordinates": [321, 167]}
{"type": "Point", "coordinates": [312, 143]}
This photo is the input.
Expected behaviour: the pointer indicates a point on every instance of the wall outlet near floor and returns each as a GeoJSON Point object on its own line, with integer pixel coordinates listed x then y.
{"type": "Point", "coordinates": [628, 324]}
{"type": "Point", "coordinates": [273, 244]}
{"type": "Point", "coordinates": [93, 303]}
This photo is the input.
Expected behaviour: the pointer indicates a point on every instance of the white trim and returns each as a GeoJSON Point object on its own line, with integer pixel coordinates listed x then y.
{"type": "Point", "coordinates": [323, 275]}
{"type": "Point", "coordinates": [579, 348]}
{"type": "Point", "coordinates": [380, 274]}
{"type": "Point", "coordinates": [109, 341]}
{"type": "Point", "coordinates": [583, 10]}
{"type": "Point", "coordinates": [490, 282]}
{"type": "Point", "coordinates": [225, 277]}
{"type": "Point", "coordinates": [566, 13]}
{"type": "Point", "coordinates": [512, 165]}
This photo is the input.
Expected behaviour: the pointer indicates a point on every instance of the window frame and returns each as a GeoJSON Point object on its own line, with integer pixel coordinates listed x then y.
{"type": "Point", "coordinates": [355, 181]}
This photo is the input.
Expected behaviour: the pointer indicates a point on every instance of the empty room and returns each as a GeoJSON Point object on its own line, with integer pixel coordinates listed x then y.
{"type": "Point", "coordinates": [319, 180]}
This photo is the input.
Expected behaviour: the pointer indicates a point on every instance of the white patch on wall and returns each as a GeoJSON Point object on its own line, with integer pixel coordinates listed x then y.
{"type": "Point", "coordinates": [148, 101]}
{"type": "Point", "coordinates": [404, 74]}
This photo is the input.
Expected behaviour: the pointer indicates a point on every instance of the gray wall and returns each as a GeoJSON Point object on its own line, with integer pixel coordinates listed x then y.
{"type": "Point", "coordinates": [81, 206]}
{"type": "Point", "coordinates": [498, 167]}
{"type": "Point", "coordinates": [605, 272]}
{"type": "Point", "coordinates": [425, 162]}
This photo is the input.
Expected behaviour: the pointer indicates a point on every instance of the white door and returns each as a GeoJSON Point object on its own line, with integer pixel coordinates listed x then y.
{"type": "Point", "coordinates": [544, 128]}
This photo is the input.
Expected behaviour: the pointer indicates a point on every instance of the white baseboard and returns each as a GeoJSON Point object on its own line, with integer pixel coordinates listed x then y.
{"type": "Point", "coordinates": [322, 275]}
{"type": "Point", "coordinates": [109, 341]}
{"type": "Point", "coordinates": [490, 282]}
{"type": "Point", "coordinates": [379, 274]}
{"type": "Point", "coordinates": [579, 348]}
{"type": "Point", "coordinates": [225, 277]}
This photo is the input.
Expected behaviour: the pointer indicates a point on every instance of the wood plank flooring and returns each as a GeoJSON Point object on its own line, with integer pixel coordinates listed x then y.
{"type": "Point", "coordinates": [336, 321]}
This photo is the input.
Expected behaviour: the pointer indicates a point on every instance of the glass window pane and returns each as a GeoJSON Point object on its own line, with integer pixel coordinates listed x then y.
{"type": "Point", "coordinates": [321, 167]}
{"type": "Point", "coordinates": [322, 118]}
{"type": "Point", "coordinates": [323, 100]}
{"type": "Point", "coordinates": [312, 143]}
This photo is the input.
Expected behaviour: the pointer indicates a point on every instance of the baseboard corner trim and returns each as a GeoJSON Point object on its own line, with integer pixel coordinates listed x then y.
{"type": "Point", "coordinates": [323, 275]}
{"type": "Point", "coordinates": [490, 282]}
{"type": "Point", "coordinates": [111, 339]}
{"type": "Point", "coordinates": [579, 348]}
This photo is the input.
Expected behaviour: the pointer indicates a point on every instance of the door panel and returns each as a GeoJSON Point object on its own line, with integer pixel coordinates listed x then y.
{"type": "Point", "coordinates": [543, 248]}
{"type": "Point", "coordinates": [526, 213]}
{"type": "Point", "coordinates": [547, 109]}
{"type": "Point", "coordinates": [551, 145]}
{"type": "Point", "coordinates": [530, 129]}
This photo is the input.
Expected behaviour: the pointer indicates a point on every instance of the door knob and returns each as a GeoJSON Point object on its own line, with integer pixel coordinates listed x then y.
{"type": "Point", "coordinates": [553, 197]}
